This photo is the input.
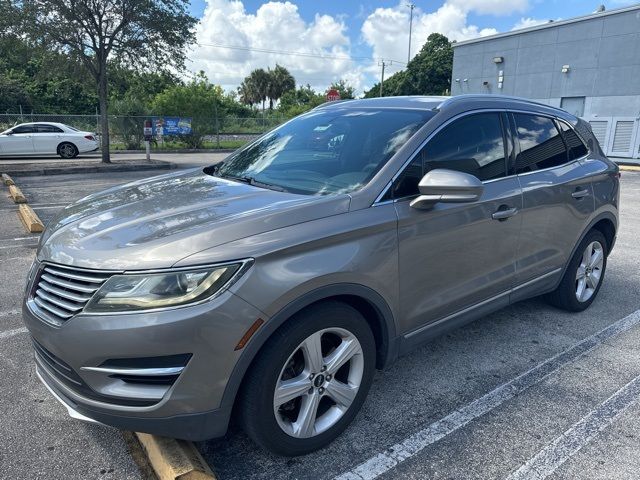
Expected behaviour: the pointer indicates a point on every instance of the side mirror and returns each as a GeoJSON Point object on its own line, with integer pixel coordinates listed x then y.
{"type": "Point", "coordinates": [448, 186]}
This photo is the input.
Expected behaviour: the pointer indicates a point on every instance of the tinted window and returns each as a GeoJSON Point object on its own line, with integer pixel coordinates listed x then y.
{"type": "Point", "coordinates": [47, 129]}
{"type": "Point", "coordinates": [473, 144]}
{"type": "Point", "coordinates": [23, 129]}
{"type": "Point", "coordinates": [576, 148]}
{"type": "Point", "coordinates": [325, 151]}
{"type": "Point", "coordinates": [541, 145]}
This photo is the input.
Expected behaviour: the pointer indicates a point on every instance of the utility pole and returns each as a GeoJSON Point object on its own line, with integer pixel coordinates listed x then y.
{"type": "Point", "coordinates": [411, 6]}
{"type": "Point", "coordinates": [383, 64]}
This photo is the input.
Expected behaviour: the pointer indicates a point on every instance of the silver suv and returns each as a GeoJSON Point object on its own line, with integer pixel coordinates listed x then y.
{"type": "Point", "coordinates": [273, 285]}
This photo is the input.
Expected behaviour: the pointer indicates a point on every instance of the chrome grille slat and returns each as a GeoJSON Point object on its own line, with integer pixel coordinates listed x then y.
{"type": "Point", "coordinates": [58, 302]}
{"type": "Point", "coordinates": [61, 292]}
{"type": "Point", "coordinates": [70, 285]}
{"type": "Point", "coordinates": [56, 311]}
{"type": "Point", "coordinates": [82, 277]}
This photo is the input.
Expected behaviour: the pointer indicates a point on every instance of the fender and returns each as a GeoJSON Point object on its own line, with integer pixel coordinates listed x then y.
{"type": "Point", "coordinates": [390, 341]}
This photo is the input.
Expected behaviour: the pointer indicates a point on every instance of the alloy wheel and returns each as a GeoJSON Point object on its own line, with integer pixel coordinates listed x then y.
{"type": "Point", "coordinates": [318, 382]}
{"type": "Point", "coordinates": [589, 271]}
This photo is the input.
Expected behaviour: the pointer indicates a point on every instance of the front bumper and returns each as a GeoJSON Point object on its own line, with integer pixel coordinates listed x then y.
{"type": "Point", "coordinates": [189, 408]}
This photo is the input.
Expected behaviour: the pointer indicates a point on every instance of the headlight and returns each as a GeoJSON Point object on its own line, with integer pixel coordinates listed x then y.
{"type": "Point", "coordinates": [160, 290]}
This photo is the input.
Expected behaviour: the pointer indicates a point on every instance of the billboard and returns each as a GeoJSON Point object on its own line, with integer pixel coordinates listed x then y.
{"type": "Point", "coordinates": [171, 125]}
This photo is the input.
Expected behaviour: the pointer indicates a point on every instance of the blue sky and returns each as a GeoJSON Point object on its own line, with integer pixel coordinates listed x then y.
{"type": "Point", "coordinates": [350, 29]}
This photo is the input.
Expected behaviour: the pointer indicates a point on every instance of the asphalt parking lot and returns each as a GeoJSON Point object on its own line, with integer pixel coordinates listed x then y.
{"type": "Point", "coordinates": [527, 392]}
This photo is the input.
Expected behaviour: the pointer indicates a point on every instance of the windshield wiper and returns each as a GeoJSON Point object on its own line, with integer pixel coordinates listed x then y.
{"type": "Point", "coordinates": [255, 183]}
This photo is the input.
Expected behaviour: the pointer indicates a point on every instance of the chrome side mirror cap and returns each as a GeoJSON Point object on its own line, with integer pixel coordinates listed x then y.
{"type": "Point", "coordinates": [447, 186]}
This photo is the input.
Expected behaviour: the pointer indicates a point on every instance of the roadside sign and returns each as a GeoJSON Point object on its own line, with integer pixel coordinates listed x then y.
{"type": "Point", "coordinates": [147, 130]}
{"type": "Point", "coordinates": [333, 95]}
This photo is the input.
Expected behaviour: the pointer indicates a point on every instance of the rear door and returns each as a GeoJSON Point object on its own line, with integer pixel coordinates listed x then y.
{"type": "Point", "coordinates": [20, 142]}
{"type": "Point", "coordinates": [454, 256]}
{"type": "Point", "coordinates": [46, 138]}
{"type": "Point", "coordinates": [557, 198]}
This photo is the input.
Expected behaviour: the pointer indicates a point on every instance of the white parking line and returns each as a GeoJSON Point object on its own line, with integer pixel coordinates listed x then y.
{"type": "Point", "coordinates": [390, 458]}
{"type": "Point", "coordinates": [11, 333]}
{"type": "Point", "coordinates": [547, 460]}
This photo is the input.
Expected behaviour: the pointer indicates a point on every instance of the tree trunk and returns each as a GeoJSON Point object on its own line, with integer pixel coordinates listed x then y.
{"type": "Point", "coordinates": [104, 115]}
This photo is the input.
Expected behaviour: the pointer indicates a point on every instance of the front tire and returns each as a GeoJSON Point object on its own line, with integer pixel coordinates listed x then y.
{"type": "Point", "coordinates": [310, 380]}
{"type": "Point", "coordinates": [67, 150]}
{"type": "Point", "coordinates": [584, 275]}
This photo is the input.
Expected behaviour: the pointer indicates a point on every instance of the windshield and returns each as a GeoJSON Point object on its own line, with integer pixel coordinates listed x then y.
{"type": "Point", "coordinates": [322, 152]}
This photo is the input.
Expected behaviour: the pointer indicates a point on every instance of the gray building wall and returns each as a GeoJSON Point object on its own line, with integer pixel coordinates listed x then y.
{"type": "Point", "coordinates": [602, 51]}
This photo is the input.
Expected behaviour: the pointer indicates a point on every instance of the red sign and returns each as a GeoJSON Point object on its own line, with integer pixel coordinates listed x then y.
{"type": "Point", "coordinates": [333, 95]}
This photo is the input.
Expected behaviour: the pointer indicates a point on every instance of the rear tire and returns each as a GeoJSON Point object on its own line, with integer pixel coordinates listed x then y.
{"type": "Point", "coordinates": [276, 417]}
{"type": "Point", "coordinates": [67, 150]}
{"type": "Point", "coordinates": [584, 275]}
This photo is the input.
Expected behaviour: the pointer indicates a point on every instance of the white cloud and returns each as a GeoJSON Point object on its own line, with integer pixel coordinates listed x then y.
{"type": "Point", "coordinates": [386, 29]}
{"type": "Point", "coordinates": [274, 26]}
{"type": "Point", "coordinates": [528, 22]}
{"type": "Point", "coordinates": [492, 7]}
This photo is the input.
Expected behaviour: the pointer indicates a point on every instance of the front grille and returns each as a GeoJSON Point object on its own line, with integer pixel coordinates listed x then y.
{"type": "Point", "coordinates": [62, 292]}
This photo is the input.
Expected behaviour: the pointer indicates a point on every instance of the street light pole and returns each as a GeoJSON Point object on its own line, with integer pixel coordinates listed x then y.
{"type": "Point", "coordinates": [411, 6]}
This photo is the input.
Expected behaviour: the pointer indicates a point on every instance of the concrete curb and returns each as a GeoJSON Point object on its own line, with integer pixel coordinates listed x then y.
{"type": "Point", "coordinates": [161, 152]}
{"type": "Point", "coordinates": [56, 170]}
{"type": "Point", "coordinates": [173, 459]}
{"type": "Point", "coordinates": [16, 194]}
{"type": "Point", "coordinates": [30, 219]}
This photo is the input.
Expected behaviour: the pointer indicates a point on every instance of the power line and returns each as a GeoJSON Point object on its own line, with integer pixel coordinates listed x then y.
{"type": "Point", "coordinates": [292, 53]}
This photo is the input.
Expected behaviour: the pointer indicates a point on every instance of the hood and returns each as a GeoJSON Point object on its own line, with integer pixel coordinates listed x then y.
{"type": "Point", "coordinates": [156, 222]}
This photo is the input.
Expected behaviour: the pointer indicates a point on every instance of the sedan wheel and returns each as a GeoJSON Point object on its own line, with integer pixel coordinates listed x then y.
{"type": "Point", "coordinates": [67, 150]}
{"type": "Point", "coordinates": [318, 383]}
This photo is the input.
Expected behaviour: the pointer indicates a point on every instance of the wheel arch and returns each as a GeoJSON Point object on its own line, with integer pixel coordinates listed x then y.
{"type": "Point", "coordinates": [368, 302]}
{"type": "Point", "coordinates": [607, 224]}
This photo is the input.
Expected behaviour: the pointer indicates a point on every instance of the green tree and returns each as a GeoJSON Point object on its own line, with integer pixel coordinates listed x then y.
{"type": "Point", "coordinates": [428, 73]}
{"type": "Point", "coordinates": [295, 102]}
{"type": "Point", "coordinates": [198, 99]}
{"type": "Point", "coordinates": [347, 92]}
{"type": "Point", "coordinates": [139, 33]}
{"type": "Point", "coordinates": [280, 82]}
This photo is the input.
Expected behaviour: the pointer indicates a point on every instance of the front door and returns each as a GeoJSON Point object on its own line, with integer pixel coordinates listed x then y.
{"type": "Point", "coordinates": [455, 256]}
{"type": "Point", "coordinates": [20, 142]}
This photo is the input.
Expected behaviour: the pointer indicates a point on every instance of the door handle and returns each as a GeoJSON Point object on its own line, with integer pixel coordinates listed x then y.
{"type": "Point", "coordinates": [503, 214]}
{"type": "Point", "coordinates": [580, 193]}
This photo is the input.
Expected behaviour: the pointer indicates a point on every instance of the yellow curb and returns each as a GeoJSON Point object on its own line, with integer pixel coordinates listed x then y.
{"type": "Point", "coordinates": [16, 194]}
{"type": "Point", "coordinates": [173, 459]}
{"type": "Point", "coordinates": [629, 168]}
{"type": "Point", "coordinates": [30, 219]}
{"type": "Point", "coordinates": [7, 180]}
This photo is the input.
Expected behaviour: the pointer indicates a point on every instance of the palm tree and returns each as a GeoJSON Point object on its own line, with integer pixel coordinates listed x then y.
{"type": "Point", "coordinates": [280, 81]}
{"type": "Point", "coordinates": [247, 93]}
{"type": "Point", "coordinates": [259, 81]}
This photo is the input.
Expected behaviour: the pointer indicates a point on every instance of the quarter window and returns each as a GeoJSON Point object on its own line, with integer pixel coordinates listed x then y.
{"type": "Point", "coordinates": [575, 147]}
{"type": "Point", "coordinates": [473, 144]}
{"type": "Point", "coordinates": [541, 145]}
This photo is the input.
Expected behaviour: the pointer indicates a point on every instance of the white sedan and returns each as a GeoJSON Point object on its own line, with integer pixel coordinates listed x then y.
{"type": "Point", "coordinates": [46, 138]}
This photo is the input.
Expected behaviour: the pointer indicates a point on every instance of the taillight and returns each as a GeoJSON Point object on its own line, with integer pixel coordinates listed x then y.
{"type": "Point", "coordinates": [90, 137]}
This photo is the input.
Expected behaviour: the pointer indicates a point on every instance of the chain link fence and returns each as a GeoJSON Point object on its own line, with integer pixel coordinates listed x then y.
{"type": "Point", "coordinates": [126, 132]}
